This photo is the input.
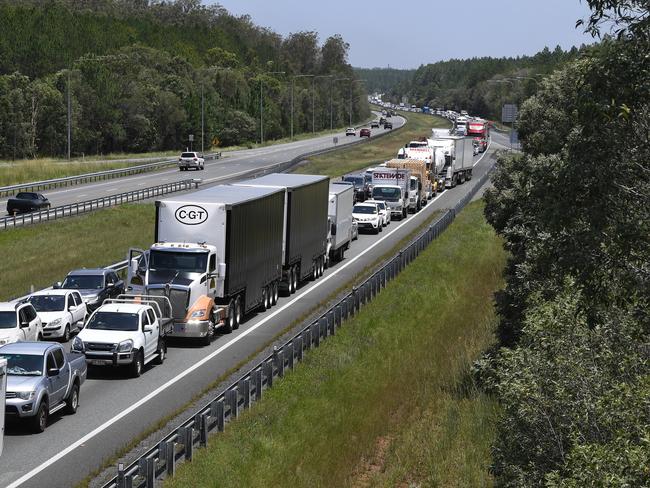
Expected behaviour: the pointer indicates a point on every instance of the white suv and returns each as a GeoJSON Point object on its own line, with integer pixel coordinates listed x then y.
{"type": "Point", "coordinates": [191, 160]}
{"type": "Point", "coordinates": [61, 312]}
{"type": "Point", "coordinates": [383, 211]}
{"type": "Point", "coordinates": [367, 216]}
{"type": "Point", "coordinates": [19, 322]}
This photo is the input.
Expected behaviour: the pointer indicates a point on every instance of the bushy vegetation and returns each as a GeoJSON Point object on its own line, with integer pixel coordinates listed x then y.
{"type": "Point", "coordinates": [137, 70]}
{"type": "Point", "coordinates": [573, 372]}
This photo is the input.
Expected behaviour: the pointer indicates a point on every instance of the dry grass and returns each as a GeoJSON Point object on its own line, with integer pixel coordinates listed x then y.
{"type": "Point", "coordinates": [387, 402]}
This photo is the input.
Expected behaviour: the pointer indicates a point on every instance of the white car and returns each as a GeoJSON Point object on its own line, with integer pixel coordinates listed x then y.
{"type": "Point", "coordinates": [350, 131]}
{"type": "Point", "coordinates": [191, 160]}
{"type": "Point", "coordinates": [61, 312]}
{"type": "Point", "coordinates": [367, 217]}
{"type": "Point", "coordinates": [383, 211]}
{"type": "Point", "coordinates": [19, 322]}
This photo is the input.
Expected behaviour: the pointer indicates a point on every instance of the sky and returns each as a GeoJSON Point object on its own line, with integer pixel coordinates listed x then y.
{"type": "Point", "coordinates": [408, 33]}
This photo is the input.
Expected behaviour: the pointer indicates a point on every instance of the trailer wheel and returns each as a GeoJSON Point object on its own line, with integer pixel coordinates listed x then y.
{"type": "Point", "coordinates": [274, 300]}
{"type": "Point", "coordinates": [314, 272]}
{"type": "Point", "coordinates": [238, 313]}
{"type": "Point", "coordinates": [294, 279]}
{"type": "Point", "coordinates": [322, 265]}
{"type": "Point", "coordinates": [264, 304]}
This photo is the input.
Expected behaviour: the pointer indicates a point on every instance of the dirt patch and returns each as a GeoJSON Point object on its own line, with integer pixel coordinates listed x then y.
{"type": "Point", "coordinates": [369, 467]}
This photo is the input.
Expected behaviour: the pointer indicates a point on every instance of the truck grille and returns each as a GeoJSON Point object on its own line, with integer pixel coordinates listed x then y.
{"type": "Point", "coordinates": [99, 346]}
{"type": "Point", "coordinates": [177, 298]}
{"type": "Point", "coordinates": [10, 394]}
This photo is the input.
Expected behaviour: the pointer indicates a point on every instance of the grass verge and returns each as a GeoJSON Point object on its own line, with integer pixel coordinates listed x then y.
{"type": "Point", "coordinates": [42, 254]}
{"type": "Point", "coordinates": [387, 402]}
{"type": "Point", "coordinates": [351, 159]}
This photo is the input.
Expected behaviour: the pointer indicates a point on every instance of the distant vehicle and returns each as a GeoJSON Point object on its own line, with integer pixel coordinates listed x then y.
{"type": "Point", "coordinates": [61, 312]}
{"type": "Point", "coordinates": [94, 285]}
{"type": "Point", "coordinates": [383, 211]}
{"type": "Point", "coordinates": [41, 380]}
{"type": "Point", "coordinates": [482, 143]}
{"type": "Point", "coordinates": [388, 125]}
{"type": "Point", "coordinates": [127, 331]}
{"type": "Point", "coordinates": [27, 202]}
{"type": "Point", "coordinates": [367, 217]}
{"type": "Point", "coordinates": [350, 131]}
{"type": "Point", "coordinates": [382, 120]}
{"type": "Point", "coordinates": [374, 124]}
{"type": "Point", "coordinates": [19, 322]}
{"type": "Point", "coordinates": [358, 181]}
{"type": "Point", "coordinates": [365, 132]}
{"type": "Point", "coordinates": [192, 160]}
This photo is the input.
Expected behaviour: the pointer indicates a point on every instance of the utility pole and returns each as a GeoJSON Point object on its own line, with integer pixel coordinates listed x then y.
{"type": "Point", "coordinates": [202, 119]}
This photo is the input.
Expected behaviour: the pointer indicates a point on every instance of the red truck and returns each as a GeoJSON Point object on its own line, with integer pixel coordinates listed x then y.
{"type": "Point", "coordinates": [478, 128]}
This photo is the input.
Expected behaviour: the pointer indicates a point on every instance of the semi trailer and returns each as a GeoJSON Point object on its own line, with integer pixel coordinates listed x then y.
{"type": "Point", "coordinates": [339, 210]}
{"type": "Point", "coordinates": [304, 244]}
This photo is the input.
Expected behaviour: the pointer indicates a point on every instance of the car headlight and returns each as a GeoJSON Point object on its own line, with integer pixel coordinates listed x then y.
{"type": "Point", "coordinates": [54, 322]}
{"type": "Point", "coordinates": [125, 346]}
{"type": "Point", "coordinates": [25, 395]}
{"type": "Point", "coordinates": [198, 313]}
{"type": "Point", "coordinates": [77, 345]}
{"type": "Point", "coordinates": [3, 342]}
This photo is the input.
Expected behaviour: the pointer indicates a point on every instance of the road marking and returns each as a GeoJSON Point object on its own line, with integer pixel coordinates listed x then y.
{"type": "Point", "coordinates": [210, 356]}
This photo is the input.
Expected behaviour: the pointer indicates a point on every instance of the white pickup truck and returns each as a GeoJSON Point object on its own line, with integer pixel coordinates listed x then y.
{"type": "Point", "coordinates": [61, 311]}
{"type": "Point", "coordinates": [127, 331]}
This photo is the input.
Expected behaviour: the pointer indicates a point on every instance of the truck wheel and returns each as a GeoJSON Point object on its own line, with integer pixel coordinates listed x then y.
{"type": "Point", "coordinates": [72, 402]}
{"type": "Point", "coordinates": [322, 265]}
{"type": "Point", "coordinates": [238, 312]}
{"type": "Point", "coordinates": [274, 300]}
{"type": "Point", "coordinates": [136, 365]}
{"type": "Point", "coordinates": [66, 334]}
{"type": "Point", "coordinates": [229, 324]}
{"type": "Point", "coordinates": [269, 296]}
{"type": "Point", "coordinates": [162, 350]}
{"type": "Point", "coordinates": [39, 421]}
{"type": "Point", "coordinates": [264, 304]}
{"type": "Point", "coordinates": [314, 272]}
{"type": "Point", "coordinates": [292, 278]}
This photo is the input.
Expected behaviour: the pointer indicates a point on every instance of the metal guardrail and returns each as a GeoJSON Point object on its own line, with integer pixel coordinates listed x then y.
{"type": "Point", "coordinates": [90, 177]}
{"type": "Point", "coordinates": [160, 461]}
{"type": "Point", "coordinates": [97, 203]}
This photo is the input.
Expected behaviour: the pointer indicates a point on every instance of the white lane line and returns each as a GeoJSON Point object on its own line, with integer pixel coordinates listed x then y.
{"type": "Point", "coordinates": [209, 357]}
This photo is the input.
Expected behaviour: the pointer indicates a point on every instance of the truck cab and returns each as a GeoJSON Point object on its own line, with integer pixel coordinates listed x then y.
{"type": "Point", "coordinates": [394, 198]}
{"type": "Point", "coordinates": [415, 198]}
{"type": "Point", "coordinates": [127, 331]}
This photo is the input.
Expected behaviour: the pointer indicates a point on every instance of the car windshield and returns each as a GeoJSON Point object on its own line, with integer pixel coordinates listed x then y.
{"type": "Point", "coordinates": [48, 303]}
{"type": "Point", "coordinates": [386, 194]}
{"type": "Point", "coordinates": [24, 364]}
{"type": "Point", "coordinates": [8, 320]}
{"type": "Point", "coordinates": [381, 205]}
{"type": "Point", "coordinates": [113, 321]}
{"type": "Point", "coordinates": [187, 155]}
{"type": "Point", "coordinates": [83, 282]}
{"type": "Point", "coordinates": [355, 180]}
{"type": "Point", "coordinates": [189, 262]}
{"type": "Point", "coordinates": [414, 184]}
{"type": "Point", "coordinates": [364, 209]}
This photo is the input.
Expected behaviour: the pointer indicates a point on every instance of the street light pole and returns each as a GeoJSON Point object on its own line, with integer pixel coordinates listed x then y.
{"type": "Point", "coordinates": [202, 119]}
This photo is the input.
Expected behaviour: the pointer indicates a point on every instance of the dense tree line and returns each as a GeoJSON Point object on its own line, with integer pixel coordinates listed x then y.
{"type": "Point", "coordinates": [573, 368]}
{"type": "Point", "coordinates": [383, 80]}
{"type": "Point", "coordinates": [476, 84]}
{"type": "Point", "coordinates": [138, 70]}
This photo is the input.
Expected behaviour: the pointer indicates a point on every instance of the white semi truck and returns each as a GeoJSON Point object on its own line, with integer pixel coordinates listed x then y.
{"type": "Point", "coordinates": [217, 255]}
{"type": "Point", "coordinates": [458, 164]}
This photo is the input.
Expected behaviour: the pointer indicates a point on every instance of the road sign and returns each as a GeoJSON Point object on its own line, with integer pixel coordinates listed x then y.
{"type": "Point", "coordinates": [508, 113]}
{"type": "Point", "coordinates": [191, 138]}
{"type": "Point", "coordinates": [336, 140]}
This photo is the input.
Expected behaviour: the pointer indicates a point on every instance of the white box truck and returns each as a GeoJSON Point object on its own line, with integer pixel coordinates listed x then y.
{"type": "Point", "coordinates": [392, 186]}
{"type": "Point", "coordinates": [339, 210]}
{"type": "Point", "coordinates": [3, 395]}
{"type": "Point", "coordinates": [458, 165]}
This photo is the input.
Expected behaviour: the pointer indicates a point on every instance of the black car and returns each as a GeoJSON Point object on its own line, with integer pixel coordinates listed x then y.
{"type": "Point", "coordinates": [27, 202]}
{"type": "Point", "coordinates": [388, 125]}
{"type": "Point", "coordinates": [359, 186]}
{"type": "Point", "coordinates": [94, 285]}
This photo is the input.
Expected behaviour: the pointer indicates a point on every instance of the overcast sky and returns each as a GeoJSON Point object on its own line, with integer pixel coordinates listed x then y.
{"type": "Point", "coordinates": [408, 33]}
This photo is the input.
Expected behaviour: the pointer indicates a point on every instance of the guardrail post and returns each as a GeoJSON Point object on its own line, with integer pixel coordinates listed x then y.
{"type": "Point", "coordinates": [299, 345]}
{"type": "Point", "coordinates": [355, 299]}
{"type": "Point", "coordinates": [245, 386]}
{"type": "Point", "coordinates": [268, 372]}
{"type": "Point", "coordinates": [337, 316]}
{"type": "Point", "coordinates": [331, 322]}
{"type": "Point", "coordinates": [291, 354]}
{"type": "Point", "coordinates": [189, 443]}
{"type": "Point", "coordinates": [257, 380]}
{"type": "Point", "coordinates": [203, 433]}
{"type": "Point", "coordinates": [150, 473]}
{"type": "Point", "coordinates": [308, 338]}
{"type": "Point", "coordinates": [121, 476]}
{"type": "Point", "coordinates": [232, 399]}
{"type": "Point", "coordinates": [220, 415]}
{"type": "Point", "coordinates": [344, 310]}
{"type": "Point", "coordinates": [315, 332]}
{"type": "Point", "coordinates": [170, 458]}
{"type": "Point", "coordinates": [322, 327]}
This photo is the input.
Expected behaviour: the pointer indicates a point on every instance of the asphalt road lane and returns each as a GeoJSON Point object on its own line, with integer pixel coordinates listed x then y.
{"type": "Point", "coordinates": [112, 410]}
{"type": "Point", "coordinates": [232, 164]}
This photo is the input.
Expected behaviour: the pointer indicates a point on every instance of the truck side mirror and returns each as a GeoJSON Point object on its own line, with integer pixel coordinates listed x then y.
{"type": "Point", "coordinates": [52, 371]}
{"type": "Point", "coordinates": [333, 231]}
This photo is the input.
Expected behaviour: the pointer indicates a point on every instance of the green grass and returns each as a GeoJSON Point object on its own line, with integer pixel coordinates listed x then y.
{"type": "Point", "coordinates": [386, 402]}
{"type": "Point", "coordinates": [357, 157]}
{"type": "Point", "coordinates": [42, 254]}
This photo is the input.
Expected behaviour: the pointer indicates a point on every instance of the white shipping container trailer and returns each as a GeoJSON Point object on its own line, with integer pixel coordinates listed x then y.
{"type": "Point", "coordinates": [339, 210]}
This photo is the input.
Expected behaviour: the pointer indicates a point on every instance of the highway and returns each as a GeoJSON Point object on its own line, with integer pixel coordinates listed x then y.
{"type": "Point", "coordinates": [114, 408]}
{"type": "Point", "coordinates": [233, 164]}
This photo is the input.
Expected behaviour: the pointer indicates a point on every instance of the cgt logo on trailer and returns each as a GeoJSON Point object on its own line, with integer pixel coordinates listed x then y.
{"type": "Point", "coordinates": [191, 215]}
